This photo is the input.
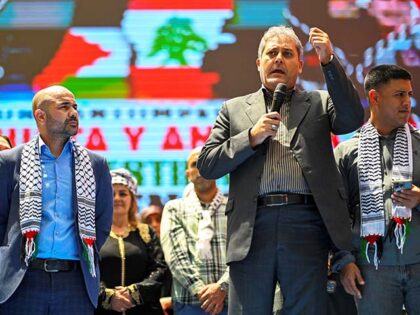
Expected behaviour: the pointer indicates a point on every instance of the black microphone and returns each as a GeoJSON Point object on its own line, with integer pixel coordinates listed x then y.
{"type": "Point", "coordinates": [278, 97]}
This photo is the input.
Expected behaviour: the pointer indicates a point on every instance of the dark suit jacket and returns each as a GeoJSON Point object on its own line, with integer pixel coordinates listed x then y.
{"type": "Point", "coordinates": [12, 265]}
{"type": "Point", "coordinates": [313, 116]}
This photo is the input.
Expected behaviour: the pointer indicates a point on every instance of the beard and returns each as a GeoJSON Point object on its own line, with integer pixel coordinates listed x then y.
{"type": "Point", "coordinates": [63, 129]}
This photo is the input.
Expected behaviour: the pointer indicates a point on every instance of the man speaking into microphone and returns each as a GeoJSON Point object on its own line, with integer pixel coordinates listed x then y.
{"type": "Point", "coordinates": [286, 206]}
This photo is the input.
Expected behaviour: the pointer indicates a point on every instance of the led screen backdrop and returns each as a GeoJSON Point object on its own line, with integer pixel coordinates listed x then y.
{"type": "Point", "coordinates": [150, 75]}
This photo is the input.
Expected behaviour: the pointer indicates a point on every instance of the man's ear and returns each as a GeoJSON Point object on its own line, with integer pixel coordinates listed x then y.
{"type": "Point", "coordinates": [301, 63]}
{"type": "Point", "coordinates": [373, 97]}
{"type": "Point", "coordinates": [187, 173]}
{"type": "Point", "coordinates": [40, 116]}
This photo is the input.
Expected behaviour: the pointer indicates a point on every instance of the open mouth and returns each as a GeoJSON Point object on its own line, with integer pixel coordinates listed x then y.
{"type": "Point", "coordinates": [277, 71]}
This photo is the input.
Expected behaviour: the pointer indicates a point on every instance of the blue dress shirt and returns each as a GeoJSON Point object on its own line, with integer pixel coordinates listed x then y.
{"type": "Point", "coordinates": [58, 234]}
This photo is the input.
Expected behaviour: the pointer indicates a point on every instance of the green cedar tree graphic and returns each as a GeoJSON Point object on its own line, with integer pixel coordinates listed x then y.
{"type": "Point", "coordinates": [175, 37]}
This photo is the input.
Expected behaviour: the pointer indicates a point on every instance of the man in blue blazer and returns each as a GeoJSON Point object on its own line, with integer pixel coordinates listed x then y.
{"type": "Point", "coordinates": [286, 198]}
{"type": "Point", "coordinates": [56, 208]}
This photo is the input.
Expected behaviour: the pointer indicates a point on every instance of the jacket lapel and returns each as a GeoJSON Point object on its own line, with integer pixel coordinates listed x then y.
{"type": "Point", "coordinates": [256, 106]}
{"type": "Point", "coordinates": [298, 109]}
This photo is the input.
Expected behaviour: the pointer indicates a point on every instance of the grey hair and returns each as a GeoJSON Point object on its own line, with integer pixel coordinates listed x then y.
{"type": "Point", "coordinates": [278, 31]}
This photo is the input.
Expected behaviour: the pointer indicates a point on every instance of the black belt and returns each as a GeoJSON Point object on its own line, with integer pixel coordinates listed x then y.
{"type": "Point", "coordinates": [273, 200]}
{"type": "Point", "coordinates": [53, 265]}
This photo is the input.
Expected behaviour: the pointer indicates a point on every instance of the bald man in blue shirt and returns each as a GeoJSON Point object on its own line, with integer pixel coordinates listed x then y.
{"type": "Point", "coordinates": [56, 208]}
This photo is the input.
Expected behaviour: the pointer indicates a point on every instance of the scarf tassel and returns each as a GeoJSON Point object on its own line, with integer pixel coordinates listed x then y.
{"type": "Point", "coordinates": [89, 255]}
{"type": "Point", "coordinates": [368, 241]}
{"type": "Point", "coordinates": [30, 245]}
{"type": "Point", "coordinates": [400, 232]}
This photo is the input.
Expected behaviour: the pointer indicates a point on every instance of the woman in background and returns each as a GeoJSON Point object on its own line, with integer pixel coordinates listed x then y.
{"type": "Point", "coordinates": [132, 265]}
{"type": "Point", "coordinates": [152, 215]}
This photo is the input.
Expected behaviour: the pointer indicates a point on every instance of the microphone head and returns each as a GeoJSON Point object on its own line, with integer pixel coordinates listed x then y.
{"type": "Point", "coordinates": [281, 88]}
{"type": "Point", "coordinates": [279, 96]}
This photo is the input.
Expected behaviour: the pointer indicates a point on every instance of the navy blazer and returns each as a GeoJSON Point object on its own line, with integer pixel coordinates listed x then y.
{"type": "Point", "coordinates": [12, 265]}
{"type": "Point", "coordinates": [313, 116]}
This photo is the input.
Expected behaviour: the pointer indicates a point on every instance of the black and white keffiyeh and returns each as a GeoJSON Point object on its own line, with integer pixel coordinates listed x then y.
{"type": "Point", "coordinates": [370, 184]}
{"type": "Point", "coordinates": [30, 199]}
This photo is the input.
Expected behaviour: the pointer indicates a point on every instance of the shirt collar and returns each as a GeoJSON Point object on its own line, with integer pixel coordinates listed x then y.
{"type": "Point", "coordinates": [391, 136]}
{"type": "Point", "coordinates": [41, 144]}
{"type": "Point", "coordinates": [268, 96]}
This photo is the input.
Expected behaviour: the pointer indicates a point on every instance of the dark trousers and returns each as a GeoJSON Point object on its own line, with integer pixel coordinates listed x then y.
{"type": "Point", "coordinates": [49, 293]}
{"type": "Point", "coordinates": [388, 288]}
{"type": "Point", "coordinates": [290, 245]}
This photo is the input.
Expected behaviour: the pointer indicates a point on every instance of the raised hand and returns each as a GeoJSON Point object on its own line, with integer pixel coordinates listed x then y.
{"type": "Point", "coordinates": [322, 44]}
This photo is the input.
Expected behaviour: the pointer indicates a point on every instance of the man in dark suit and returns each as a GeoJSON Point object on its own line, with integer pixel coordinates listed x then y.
{"type": "Point", "coordinates": [286, 199]}
{"type": "Point", "coordinates": [55, 213]}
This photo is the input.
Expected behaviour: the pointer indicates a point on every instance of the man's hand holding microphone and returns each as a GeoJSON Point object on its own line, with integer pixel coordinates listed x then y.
{"type": "Point", "coordinates": [268, 123]}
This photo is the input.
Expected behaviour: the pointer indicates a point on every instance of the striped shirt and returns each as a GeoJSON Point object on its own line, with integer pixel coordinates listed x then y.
{"type": "Point", "coordinates": [179, 235]}
{"type": "Point", "coordinates": [281, 172]}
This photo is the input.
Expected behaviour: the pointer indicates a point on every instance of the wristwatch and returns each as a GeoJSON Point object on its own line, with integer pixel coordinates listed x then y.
{"type": "Point", "coordinates": [224, 287]}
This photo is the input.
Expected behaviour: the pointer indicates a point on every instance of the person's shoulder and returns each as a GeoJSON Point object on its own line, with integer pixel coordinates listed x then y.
{"type": "Point", "coordinates": [415, 133]}
{"type": "Point", "coordinates": [145, 232]}
{"type": "Point", "coordinates": [180, 207]}
{"type": "Point", "coordinates": [93, 154]}
{"type": "Point", "coordinates": [175, 204]}
{"type": "Point", "coordinates": [314, 96]}
{"type": "Point", "coordinates": [348, 146]}
{"type": "Point", "coordinates": [11, 155]}
{"type": "Point", "coordinates": [244, 98]}
{"type": "Point", "coordinates": [322, 93]}
{"type": "Point", "coordinates": [94, 157]}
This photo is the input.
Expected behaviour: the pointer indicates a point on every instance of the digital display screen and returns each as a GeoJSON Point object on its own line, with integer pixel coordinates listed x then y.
{"type": "Point", "coordinates": [150, 75]}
